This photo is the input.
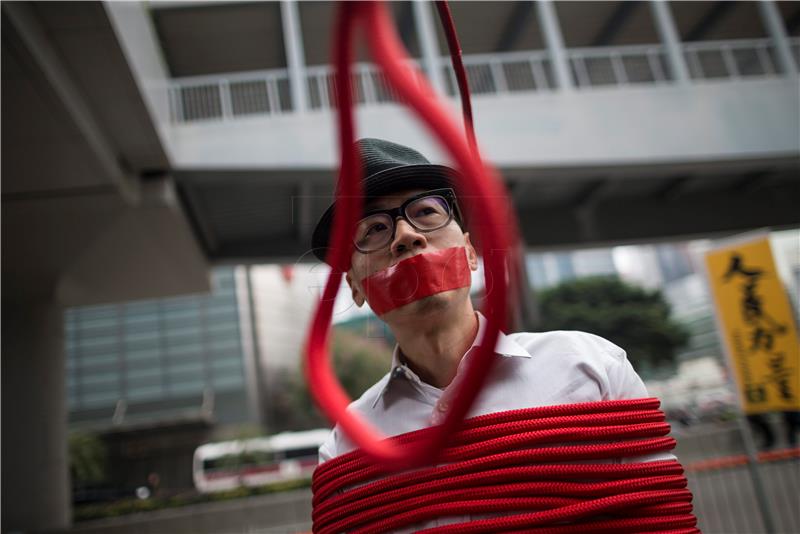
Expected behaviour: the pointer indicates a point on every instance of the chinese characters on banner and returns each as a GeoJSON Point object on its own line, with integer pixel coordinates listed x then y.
{"type": "Point", "coordinates": [756, 320]}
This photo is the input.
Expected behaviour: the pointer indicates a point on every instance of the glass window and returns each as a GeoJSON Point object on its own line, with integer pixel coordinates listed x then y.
{"type": "Point", "coordinates": [145, 392]}
{"type": "Point", "coordinates": [100, 341]}
{"type": "Point", "coordinates": [105, 359]}
{"type": "Point", "coordinates": [99, 398]}
{"type": "Point", "coordinates": [139, 323]}
{"type": "Point", "coordinates": [144, 373]}
{"type": "Point", "coordinates": [139, 354]}
{"type": "Point", "coordinates": [182, 388]}
{"type": "Point", "coordinates": [185, 368]}
{"type": "Point", "coordinates": [228, 382]}
{"type": "Point", "coordinates": [226, 364]}
{"type": "Point", "coordinates": [223, 327]}
{"type": "Point", "coordinates": [223, 310]}
{"type": "Point", "coordinates": [181, 349]}
{"type": "Point", "coordinates": [183, 330]}
{"type": "Point", "coordinates": [142, 335]}
{"type": "Point", "coordinates": [224, 343]}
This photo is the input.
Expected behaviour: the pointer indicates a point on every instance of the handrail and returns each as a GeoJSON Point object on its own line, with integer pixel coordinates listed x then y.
{"type": "Point", "coordinates": [266, 92]}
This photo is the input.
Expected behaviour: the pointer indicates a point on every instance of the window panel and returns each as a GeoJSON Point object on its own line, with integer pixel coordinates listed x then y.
{"type": "Point", "coordinates": [100, 398]}
{"type": "Point", "coordinates": [145, 392]}
{"type": "Point", "coordinates": [194, 386]}
{"type": "Point", "coordinates": [228, 382]}
{"type": "Point", "coordinates": [147, 373]}
{"type": "Point", "coordinates": [106, 359]}
{"type": "Point", "coordinates": [190, 368]}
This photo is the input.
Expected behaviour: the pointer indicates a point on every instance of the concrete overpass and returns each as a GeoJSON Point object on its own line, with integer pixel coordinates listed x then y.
{"type": "Point", "coordinates": [143, 142]}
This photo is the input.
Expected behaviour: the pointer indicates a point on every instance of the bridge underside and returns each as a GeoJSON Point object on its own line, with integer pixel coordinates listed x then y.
{"type": "Point", "coordinates": [264, 216]}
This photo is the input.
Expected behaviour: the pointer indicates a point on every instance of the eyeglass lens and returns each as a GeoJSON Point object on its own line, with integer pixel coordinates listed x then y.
{"type": "Point", "coordinates": [426, 214]}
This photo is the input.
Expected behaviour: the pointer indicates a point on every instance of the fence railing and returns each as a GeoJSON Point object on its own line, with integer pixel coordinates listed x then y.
{"type": "Point", "coordinates": [370, 85]}
{"type": "Point", "coordinates": [230, 96]}
{"type": "Point", "coordinates": [214, 98]}
{"type": "Point", "coordinates": [725, 500]}
{"type": "Point", "coordinates": [731, 59]}
{"type": "Point", "coordinates": [618, 65]}
{"type": "Point", "coordinates": [502, 73]}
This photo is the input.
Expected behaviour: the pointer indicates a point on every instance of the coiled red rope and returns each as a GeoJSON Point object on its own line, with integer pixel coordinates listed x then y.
{"type": "Point", "coordinates": [520, 462]}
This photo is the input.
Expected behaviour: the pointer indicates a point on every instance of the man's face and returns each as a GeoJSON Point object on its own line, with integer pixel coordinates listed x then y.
{"type": "Point", "coordinates": [408, 242]}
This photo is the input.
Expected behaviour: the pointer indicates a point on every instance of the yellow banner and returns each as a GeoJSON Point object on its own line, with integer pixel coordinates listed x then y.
{"type": "Point", "coordinates": [759, 331]}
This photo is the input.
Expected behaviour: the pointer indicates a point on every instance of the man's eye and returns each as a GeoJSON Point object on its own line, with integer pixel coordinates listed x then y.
{"type": "Point", "coordinates": [422, 212]}
{"type": "Point", "coordinates": [375, 228]}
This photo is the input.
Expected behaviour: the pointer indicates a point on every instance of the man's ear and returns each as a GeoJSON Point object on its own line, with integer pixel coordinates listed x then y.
{"type": "Point", "coordinates": [358, 295]}
{"type": "Point", "coordinates": [472, 256]}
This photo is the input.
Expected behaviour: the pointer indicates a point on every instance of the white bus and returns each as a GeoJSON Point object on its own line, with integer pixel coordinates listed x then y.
{"type": "Point", "coordinates": [253, 462]}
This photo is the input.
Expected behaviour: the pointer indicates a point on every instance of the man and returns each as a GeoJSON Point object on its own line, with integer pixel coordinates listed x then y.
{"type": "Point", "coordinates": [412, 218]}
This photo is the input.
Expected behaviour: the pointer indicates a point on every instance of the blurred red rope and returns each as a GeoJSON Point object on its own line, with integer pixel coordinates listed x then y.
{"type": "Point", "coordinates": [478, 181]}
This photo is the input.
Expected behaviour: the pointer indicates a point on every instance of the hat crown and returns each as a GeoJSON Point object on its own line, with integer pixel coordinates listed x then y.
{"type": "Point", "coordinates": [379, 155]}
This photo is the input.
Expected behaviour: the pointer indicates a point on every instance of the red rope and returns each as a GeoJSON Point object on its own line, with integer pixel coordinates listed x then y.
{"type": "Point", "coordinates": [494, 227]}
{"type": "Point", "coordinates": [458, 67]}
{"type": "Point", "coordinates": [503, 463]}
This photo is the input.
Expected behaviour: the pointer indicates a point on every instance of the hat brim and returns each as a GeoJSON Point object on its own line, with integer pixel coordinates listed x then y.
{"type": "Point", "coordinates": [395, 180]}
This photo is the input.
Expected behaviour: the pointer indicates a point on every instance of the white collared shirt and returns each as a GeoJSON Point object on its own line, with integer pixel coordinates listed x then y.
{"type": "Point", "coordinates": [535, 369]}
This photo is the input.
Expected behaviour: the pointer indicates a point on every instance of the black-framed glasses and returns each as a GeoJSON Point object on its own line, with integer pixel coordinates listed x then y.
{"type": "Point", "coordinates": [426, 212]}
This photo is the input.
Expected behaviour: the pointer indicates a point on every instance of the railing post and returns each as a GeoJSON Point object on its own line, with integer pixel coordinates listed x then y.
{"type": "Point", "coordinates": [225, 99]}
{"type": "Point", "coordinates": [548, 20]}
{"type": "Point", "coordinates": [777, 32]}
{"type": "Point", "coordinates": [429, 44]}
{"type": "Point", "coordinates": [670, 39]}
{"type": "Point", "coordinates": [498, 74]}
{"type": "Point", "coordinates": [295, 56]}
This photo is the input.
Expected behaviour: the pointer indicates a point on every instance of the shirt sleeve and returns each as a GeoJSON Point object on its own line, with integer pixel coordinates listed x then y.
{"type": "Point", "coordinates": [328, 449]}
{"type": "Point", "coordinates": [625, 383]}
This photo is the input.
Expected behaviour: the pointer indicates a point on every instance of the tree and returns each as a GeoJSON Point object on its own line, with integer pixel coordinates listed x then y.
{"type": "Point", "coordinates": [358, 362]}
{"type": "Point", "coordinates": [634, 318]}
{"type": "Point", "coordinates": [88, 459]}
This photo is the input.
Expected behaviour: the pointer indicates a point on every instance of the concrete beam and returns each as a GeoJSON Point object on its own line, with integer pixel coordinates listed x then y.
{"type": "Point", "coordinates": [36, 41]}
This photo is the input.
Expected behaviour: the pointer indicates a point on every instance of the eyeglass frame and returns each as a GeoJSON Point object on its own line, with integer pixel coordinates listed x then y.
{"type": "Point", "coordinates": [447, 193]}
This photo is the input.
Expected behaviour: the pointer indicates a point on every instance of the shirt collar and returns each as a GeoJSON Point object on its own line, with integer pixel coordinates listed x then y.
{"type": "Point", "coordinates": [505, 346]}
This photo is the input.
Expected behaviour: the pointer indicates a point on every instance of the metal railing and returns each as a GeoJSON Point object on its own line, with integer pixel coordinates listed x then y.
{"type": "Point", "coordinates": [618, 65]}
{"type": "Point", "coordinates": [506, 72]}
{"type": "Point", "coordinates": [731, 59]}
{"type": "Point", "coordinates": [369, 85]}
{"type": "Point", "coordinates": [215, 98]}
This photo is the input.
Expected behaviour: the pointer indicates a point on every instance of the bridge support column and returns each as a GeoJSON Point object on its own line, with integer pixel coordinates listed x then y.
{"type": "Point", "coordinates": [777, 32]}
{"type": "Point", "coordinates": [670, 39]}
{"type": "Point", "coordinates": [295, 54]}
{"type": "Point", "coordinates": [548, 20]}
{"type": "Point", "coordinates": [35, 479]}
{"type": "Point", "coordinates": [428, 43]}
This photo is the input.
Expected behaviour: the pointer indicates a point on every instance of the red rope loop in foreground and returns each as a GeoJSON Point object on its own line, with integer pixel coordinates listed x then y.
{"type": "Point", "coordinates": [492, 214]}
{"type": "Point", "coordinates": [521, 463]}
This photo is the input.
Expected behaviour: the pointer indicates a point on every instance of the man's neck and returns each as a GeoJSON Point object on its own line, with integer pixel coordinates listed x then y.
{"type": "Point", "coordinates": [434, 350]}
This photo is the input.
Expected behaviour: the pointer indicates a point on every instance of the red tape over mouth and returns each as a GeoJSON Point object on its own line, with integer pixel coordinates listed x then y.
{"type": "Point", "coordinates": [417, 277]}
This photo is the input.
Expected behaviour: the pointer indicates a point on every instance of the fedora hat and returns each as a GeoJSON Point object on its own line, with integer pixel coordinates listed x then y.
{"type": "Point", "coordinates": [387, 168]}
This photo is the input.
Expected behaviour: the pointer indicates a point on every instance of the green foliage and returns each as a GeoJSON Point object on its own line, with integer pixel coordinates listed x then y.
{"type": "Point", "coordinates": [358, 362]}
{"type": "Point", "coordinates": [88, 459]}
{"type": "Point", "coordinates": [634, 318]}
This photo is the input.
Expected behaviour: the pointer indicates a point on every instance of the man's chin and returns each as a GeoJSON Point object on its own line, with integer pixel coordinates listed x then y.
{"type": "Point", "coordinates": [422, 308]}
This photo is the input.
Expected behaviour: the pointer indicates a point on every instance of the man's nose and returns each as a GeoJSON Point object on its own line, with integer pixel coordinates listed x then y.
{"type": "Point", "coordinates": [406, 238]}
